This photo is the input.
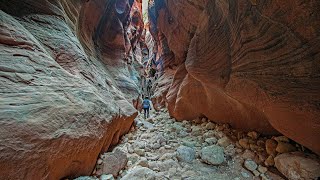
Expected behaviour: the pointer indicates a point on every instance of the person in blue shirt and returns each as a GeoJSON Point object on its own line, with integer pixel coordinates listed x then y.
{"type": "Point", "coordinates": [146, 105]}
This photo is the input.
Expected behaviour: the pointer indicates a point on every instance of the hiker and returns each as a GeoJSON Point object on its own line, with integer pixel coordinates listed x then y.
{"type": "Point", "coordinates": [146, 104]}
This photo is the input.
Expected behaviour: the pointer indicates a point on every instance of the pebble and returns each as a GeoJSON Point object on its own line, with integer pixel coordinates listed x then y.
{"type": "Point", "coordinates": [254, 135]}
{"type": "Point", "coordinates": [269, 161]}
{"type": "Point", "coordinates": [262, 169]}
{"type": "Point", "coordinates": [140, 152]}
{"type": "Point", "coordinates": [224, 142]}
{"type": "Point", "coordinates": [244, 143]}
{"type": "Point", "coordinates": [250, 165]}
{"type": "Point", "coordinates": [211, 140]}
{"type": "Point", "coordinates": [210, 126]}
{"type": "Point", "coordinates": [143, 162]}
{"type": "Point", "coordinates": [106, 177]}
{"type": "Point", "coordinates": [284, 147]}
{"type": "Point", "coordinates": [271, 146]}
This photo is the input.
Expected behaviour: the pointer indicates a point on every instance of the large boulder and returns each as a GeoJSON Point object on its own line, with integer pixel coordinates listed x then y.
{"type": "Point", "coordinates": [244, 58]}
{"type": "Point", "coordinates": [298, 166]}
{"type": "Point", "coordinates": [113, 162]}
{"type": "Point", "coordinates": [140, 173]}
{"type": "Point", "coordinates": [213, 155]}
{"type": "Point", "coordinates": [61, 101]}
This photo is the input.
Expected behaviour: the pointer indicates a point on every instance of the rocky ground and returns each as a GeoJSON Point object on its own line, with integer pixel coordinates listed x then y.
{"type": "Point", "coordinates": [161, 148]}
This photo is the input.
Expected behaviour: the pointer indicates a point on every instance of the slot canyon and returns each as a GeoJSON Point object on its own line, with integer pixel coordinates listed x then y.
{"type": "Point", "coordinates": [233, 89]}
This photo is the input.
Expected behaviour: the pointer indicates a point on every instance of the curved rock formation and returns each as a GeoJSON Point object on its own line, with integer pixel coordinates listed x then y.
{"type": "Point", "coordinates": [252, 64]}
{"type": "Point", "coordinates": [66, 86]}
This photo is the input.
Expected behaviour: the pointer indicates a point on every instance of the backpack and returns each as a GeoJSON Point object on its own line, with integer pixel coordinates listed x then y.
{"type": "Point", "coordinates": [146, 104]}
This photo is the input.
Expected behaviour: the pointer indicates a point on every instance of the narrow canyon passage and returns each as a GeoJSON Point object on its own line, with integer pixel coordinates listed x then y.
{"type": "Point", "coordinates": [233, 89]}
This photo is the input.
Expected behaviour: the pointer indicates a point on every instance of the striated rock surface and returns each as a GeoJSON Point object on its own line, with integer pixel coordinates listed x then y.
{"type": "Point", "coordinates": [252, 64]}
{"type": "Point", "coordinates": [66, 87]}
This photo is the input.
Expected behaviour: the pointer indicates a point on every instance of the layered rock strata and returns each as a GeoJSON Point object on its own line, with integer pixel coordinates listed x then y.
{"type": "Point", "coordinates": [66, 84]}
{"type": "Point", "coordinates": [252, 64]}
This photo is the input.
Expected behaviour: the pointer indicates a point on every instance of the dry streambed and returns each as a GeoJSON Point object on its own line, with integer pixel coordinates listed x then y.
{"type": "Point", "coordinates": [161, 148]}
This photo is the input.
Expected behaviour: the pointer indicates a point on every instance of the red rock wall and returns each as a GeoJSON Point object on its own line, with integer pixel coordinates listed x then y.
{"type": "Point", "coordinates": [66, 87]}
{"type": "Point", "coordinates": [253, 64]}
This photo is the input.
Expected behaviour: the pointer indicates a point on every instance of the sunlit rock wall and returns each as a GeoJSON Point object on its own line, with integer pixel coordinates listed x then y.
{"type": "Point", "coordinates": [66, 85]}
{"type": "Point", "coordinates": [253, 64]}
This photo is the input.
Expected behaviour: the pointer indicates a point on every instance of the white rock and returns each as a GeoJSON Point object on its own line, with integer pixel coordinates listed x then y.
{"type": "Point", "coordinates": [139, 173]}
{"type": "Point", "coordinates": [106, 177]}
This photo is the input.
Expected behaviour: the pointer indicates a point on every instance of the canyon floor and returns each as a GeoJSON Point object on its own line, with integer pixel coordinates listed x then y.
{"type": "Point", "coordinates": [162, 148]}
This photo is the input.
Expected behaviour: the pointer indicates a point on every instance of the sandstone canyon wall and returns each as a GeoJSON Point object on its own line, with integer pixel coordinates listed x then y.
{"type": "Point", "coordinates": [252, 64]}
{"type": "Point", "coordinates": [66, 84]}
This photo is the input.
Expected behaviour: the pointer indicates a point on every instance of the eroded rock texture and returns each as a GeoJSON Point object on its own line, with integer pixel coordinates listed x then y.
{"type": "Point", "coordinates": [66, 85]}
{"type": "Point", "coordinates": [253, 64]}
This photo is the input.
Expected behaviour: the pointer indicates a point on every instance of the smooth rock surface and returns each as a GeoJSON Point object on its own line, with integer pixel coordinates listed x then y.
{"type": "Point", "coordinates": [245, 58]}
{"type": "Point", "coordinates": [66, 92]}
{"type": "Point", "coordinates": [298, 166]}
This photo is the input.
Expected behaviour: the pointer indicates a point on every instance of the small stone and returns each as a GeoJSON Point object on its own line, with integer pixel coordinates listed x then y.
{"type": "Point", "coordinates": [269, 161]}
{"type": "Point", "coordinates": [250, 165]}
{"type": "Point", "coordinates": [140, 152]}
{"type": "Point", "coordinates": [155, 146]}
{"type": "Point", "coordinates": [185, 123]}
{"type": "Point", "coordinates": [196, 131]}
{"type": "Point", "coordinates": [211, 140]}
{"type": "Point", "coordinates": [106, 177]}
{"type": "Point", "coordinates": [99, 161]}
{"type": "Point", "coordinates": [271, 176]}
{"type": "Point", "coordinates": [167, 156]}
{"type": "Point", "coordinates": [189, 143]}
{"type": "Point", "coordinates": [246, 174]}
{"type": "Point", "coordinates": [284, 147]}
{"type": "Point", "coordinates": [210, 126]}
{"type": "Point", "coordinates": [209, 134]}
{"type": "Point", "coordinates": [262, 169]}
{"type": "Point", "coordinates": [224, 142]}
{"type": "Point", "coordinates": [262, 157]}
{"type": "Point", "coordinates": [264, 177]}
{"type": "Point", "coordinates": [244, 143]}
{"type": "Point", "coordinates": [248, 154]}
{"type": "Point", "coordinates": [271, 146]}
{"type": "Point", "coordinates": [197, 121]}
{"type": "Point", "coordinates": [261, 143]}
{"type": "Point", "coordinates": [253, 135]}
{"type": "Point", "coordinates": [256, 173]}
{"type": "Point", "coordinates": [219, 127]}
{"type": "Point", "coordinates": [85, 178]}
{"type": "Point", "coordinates": [186, 154]}
{"type": "Point", "coordinates": [189, 174]}
{"type": "Point", "coordinates": [213, 155]}
{"type": "Point", "coordinates": [143, 162]}
{"type": "Point", "coordinates": [167, 146]}
{"type": "Point", "coordinates": [282, 139]}
{"type": "Point", "coordinates": [172, 171]}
